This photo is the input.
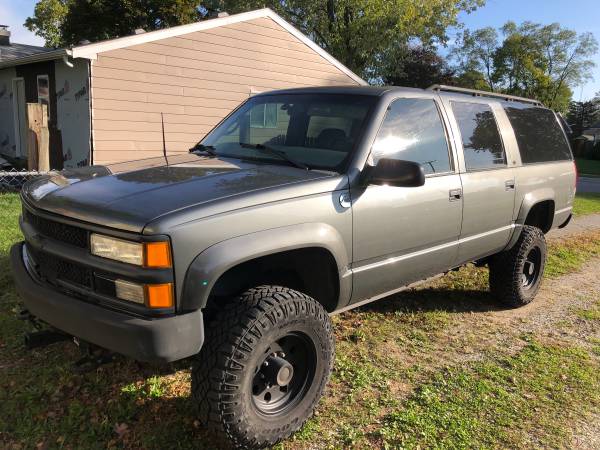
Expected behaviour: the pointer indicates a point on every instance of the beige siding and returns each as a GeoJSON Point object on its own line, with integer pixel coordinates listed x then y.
{"type": "Point", "coordinates": [194, 80]}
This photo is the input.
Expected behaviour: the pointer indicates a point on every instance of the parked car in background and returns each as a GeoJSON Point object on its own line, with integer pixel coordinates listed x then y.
{"type": "Point", "coordinates": [300, 204]}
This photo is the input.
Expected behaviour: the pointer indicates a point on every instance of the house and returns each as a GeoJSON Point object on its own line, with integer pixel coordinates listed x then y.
{"type": "Point", "coordinates": [592, 133]}
{"type": "Point", "coordinates": [110, 101]}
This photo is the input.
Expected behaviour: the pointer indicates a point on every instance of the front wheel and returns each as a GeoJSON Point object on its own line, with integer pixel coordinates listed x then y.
{"type": "Point", "coordinates": [266, 359]}
{"type": "Point", "coordinates": [516, 274]}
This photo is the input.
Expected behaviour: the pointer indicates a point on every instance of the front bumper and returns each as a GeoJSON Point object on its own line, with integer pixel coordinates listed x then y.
{"type": "Point", "coordinates": [154, 340]}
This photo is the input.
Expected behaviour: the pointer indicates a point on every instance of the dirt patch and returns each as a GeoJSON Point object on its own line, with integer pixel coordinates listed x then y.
{"type": "Point", "coordinates": [576, 226]}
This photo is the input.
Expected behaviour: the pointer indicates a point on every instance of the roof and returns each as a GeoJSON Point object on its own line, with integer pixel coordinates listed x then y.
{"type": "Point", "coordinates": [90, 51]}
{"type": "Point", "coordinates": [15, 51]}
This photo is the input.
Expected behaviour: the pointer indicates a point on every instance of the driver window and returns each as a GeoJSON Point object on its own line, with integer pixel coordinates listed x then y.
{"type": "Point", "coordinates": [413, 131]}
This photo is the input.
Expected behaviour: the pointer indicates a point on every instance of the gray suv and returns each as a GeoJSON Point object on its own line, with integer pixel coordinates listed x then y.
{"type": "Point", "coordinates": [300, 204]}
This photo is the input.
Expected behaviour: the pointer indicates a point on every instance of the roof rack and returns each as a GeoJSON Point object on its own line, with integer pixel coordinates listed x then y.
{"type": "Point", "coordinates": [477, 93]}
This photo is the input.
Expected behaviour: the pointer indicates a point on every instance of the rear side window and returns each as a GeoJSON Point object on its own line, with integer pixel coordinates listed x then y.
{"type": "Point", "coordinates": [480, 137]}
{"type": "Point", "coordinates": [413, 131]}
{"type": "Point", "coordinates": [538, 134]}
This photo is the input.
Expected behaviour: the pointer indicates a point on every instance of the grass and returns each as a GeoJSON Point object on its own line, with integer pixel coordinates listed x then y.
{"type": "Point", "coordinates": [586, 203]}
{"type": "Point", "coordinates": [497, 403]}
{"type": "Point", "coordinates": [569, 255]}
{"type": "Point", "coordinates": [419, 370]}
{"type": "Point", "coordinates": [588, 167]}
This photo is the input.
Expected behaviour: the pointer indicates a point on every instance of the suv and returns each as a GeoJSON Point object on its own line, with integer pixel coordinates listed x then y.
{"type": "Point", "coordinates": [300, 204]}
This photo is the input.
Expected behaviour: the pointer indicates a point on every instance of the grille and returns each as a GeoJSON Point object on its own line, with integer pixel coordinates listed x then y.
{"type": "Point", "coordinates": [56, 230]}
{"type": "Point", "coordinates": [54, 268]}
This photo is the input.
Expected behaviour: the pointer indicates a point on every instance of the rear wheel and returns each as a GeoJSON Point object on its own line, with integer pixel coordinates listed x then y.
{"type": "Point", "coordinates": [266, 359]}
{"type": "Point", "coordinates": [516, 274]}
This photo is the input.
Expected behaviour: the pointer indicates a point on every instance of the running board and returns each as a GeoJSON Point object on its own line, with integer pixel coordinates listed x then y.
{"type": "Point", "coordinates": [386, 294]}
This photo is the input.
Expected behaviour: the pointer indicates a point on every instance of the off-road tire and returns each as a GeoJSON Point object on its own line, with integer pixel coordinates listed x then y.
{"type": "Point", "coordinates": [507, 269]}
{"type": "Point", "coordinates": [235, 339]}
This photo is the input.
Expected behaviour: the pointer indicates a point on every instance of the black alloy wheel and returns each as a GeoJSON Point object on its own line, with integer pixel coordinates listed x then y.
{"type": "Point", "coordinates": [283, 376]}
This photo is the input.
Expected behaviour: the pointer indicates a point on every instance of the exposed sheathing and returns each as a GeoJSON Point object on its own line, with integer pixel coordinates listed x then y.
{"type": "Point", "coordinates": [7, 125]}
{"type": "Point", "coordinates": [72, 105]}
{"type": "Point", "coordinates": [194, 80]}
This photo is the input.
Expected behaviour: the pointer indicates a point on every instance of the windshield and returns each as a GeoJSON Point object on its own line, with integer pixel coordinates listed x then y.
{"type": "Point", "coordinates": [308, 130]}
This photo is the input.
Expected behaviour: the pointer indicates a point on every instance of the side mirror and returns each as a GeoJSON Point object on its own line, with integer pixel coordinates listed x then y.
{"type": "Point", "coordinates": [399, 173]}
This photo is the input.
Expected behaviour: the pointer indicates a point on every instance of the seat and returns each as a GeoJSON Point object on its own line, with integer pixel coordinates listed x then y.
{"type": "Point", "coordinates": [333, 139]}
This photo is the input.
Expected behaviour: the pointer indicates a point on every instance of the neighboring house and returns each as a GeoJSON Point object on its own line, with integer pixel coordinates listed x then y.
{"type": "Point", "coordinates": [592, 133]}
{"type": "Point", "coordinates": [107, 100]}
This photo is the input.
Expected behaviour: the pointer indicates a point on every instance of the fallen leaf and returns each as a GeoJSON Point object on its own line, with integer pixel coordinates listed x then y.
{"type": "Point", "coordinates": [121, 429]}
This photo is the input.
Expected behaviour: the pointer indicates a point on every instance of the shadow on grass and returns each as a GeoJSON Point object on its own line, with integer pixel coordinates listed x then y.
{"type": "Point", "coordinates": [437, 299]}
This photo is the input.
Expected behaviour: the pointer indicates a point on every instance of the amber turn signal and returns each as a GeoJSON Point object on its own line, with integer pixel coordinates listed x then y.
{"type": "Point", "coordinates": [159, 295]}
{"type": "Point", "coordinates": [157, 254]}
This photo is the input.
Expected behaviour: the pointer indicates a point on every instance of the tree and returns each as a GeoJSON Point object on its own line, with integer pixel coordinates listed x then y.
{"type": "Point", "coordinates": [358, 32]}
{"type": "Point", "coordinates": [533, 60]}
{"type": "Point", "coordinates": [47, 20]}
{"type": "Point", "coordinates": [413, 66]}
{"type": "Point", "coordinates": [583, 115]}
{"type": "Point", "coordinates": [67, 22]}
{"type": "Point", "coordinates": [475, 52]}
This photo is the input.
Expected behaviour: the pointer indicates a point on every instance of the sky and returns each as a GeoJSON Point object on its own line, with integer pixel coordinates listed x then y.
{"type": "Point", "coordinates": [579, 15]}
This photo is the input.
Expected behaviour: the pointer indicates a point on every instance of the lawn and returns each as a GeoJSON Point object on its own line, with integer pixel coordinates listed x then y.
{"type": "Point", "coordinates": [440, 366]}
{"type": "Point", "coordinates": [588, 167]}
{"type": "Point", "coordinates": [586, 203]}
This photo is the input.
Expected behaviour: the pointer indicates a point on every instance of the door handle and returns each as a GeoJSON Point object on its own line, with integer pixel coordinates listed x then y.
{"type": "Point", "coordinates": [509, 185]}
{"type": "Point", "coordinates": [455, 194]}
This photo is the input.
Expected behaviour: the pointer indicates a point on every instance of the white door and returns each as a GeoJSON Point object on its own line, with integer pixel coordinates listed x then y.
{"type": "Point", "coordinates": [20, 117]}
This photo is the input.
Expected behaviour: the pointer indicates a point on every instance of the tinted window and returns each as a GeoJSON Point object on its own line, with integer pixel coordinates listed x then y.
{"type": "Point", "coordinates": [538, 133]}
{"type": "Point", "coordinates": [413, 131]}
{"type": "Point", "coordinates": [480, 138]}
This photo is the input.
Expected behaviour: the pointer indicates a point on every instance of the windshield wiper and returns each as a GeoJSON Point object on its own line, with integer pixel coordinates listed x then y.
{"type": "Point", "coordinates": [204, 148]}
{"type": "Point", "coordinates": [265, 149]}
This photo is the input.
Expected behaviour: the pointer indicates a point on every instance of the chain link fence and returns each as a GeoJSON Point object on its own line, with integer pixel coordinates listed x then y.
{"type": "Point", "coordinates": [12, 180]}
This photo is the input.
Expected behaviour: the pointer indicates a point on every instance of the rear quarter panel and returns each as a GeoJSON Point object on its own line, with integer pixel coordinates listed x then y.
{"type": "Point", "coordinates": [546, 181]}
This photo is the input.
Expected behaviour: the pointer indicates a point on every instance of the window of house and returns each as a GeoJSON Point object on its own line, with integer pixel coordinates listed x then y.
{"type": "Point", "coordinates": [264, 116]}
{"type": "Point", "coordinates": [481, 140]}
{"type": "Point", "coordinates": [538, 134]}
{"type": "Point", "coordinates": [43, 91]}
{"type": "Point", "coordinates": [413, 131]}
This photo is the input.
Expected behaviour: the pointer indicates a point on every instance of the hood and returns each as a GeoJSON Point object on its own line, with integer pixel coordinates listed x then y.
{"type": "Point", "coordinates": [130, 199]}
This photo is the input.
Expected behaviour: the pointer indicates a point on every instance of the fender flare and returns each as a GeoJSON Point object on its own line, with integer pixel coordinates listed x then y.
{"type": "Point", "coordinates": [211, 263]}
{"type": "Point", "coordinates": [529, 201]}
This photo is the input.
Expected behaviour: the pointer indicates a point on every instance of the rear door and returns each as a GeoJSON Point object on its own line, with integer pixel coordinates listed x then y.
{"type": "Point", "coordinates": [487, 175]}
{"type": "Point", "coordinates": [404, 234]}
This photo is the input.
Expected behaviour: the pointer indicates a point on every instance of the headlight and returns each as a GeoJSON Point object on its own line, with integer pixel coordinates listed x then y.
{"type": "Point", "coordinates": [147, 254]}
{"type": "Point", "coordinates": [117, 249]}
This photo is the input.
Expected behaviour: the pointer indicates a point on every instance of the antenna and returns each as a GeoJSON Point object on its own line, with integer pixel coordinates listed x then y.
{"type": "Point", "coordinates": [162, 122]}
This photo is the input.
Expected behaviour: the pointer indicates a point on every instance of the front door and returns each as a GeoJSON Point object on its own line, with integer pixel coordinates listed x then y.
{"type": "Point", "coordinates": [401, 234]}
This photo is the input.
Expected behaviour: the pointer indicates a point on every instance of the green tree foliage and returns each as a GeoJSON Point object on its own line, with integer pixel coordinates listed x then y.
{"type": "Point", "coordinates": [47, 20]}
{"type": "Point", "coordinates": [475, 54]}
{"type": "Point", "coordinates": [532, 60]}
{"type": "Point", "coordinates": [413, 66]}
{"type": "Point", "coordinates": [583, 115]}
{"type": "Point", "coordinates": [67, 22]}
